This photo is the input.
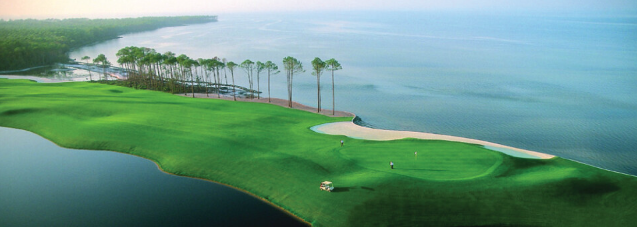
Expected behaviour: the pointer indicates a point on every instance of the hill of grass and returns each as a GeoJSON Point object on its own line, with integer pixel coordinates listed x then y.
{"type": "Point", "coordinates": [270, 152]}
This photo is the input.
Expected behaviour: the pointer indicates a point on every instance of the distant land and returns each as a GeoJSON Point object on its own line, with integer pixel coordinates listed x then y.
{"type": "Point", "coordinates": [29, 43]}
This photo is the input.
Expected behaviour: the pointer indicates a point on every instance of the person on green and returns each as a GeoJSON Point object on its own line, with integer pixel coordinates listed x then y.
{"type": "Point", "coordinates": [391, 164]}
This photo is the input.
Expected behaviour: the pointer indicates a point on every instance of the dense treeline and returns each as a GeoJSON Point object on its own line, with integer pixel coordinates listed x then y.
{"type": "Point", "coordinates": [28, 43]}
{"type": "Point", "coordinates": [149, 69]}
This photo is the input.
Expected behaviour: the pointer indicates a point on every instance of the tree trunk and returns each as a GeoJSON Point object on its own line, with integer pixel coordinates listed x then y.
{"type": "Point", "coordinates": [183, 83]}
{"type": "Point", "coordinates": [89, 70]}
{"type": "Point", "coordinates": [234, 88]}
{"type": "Point", "coordinates": [192, 81]}
{"type": "Point", "coordinates": [333, 104]}
{"type": "Point", "coordinates": [318, 92]}
{"type": "Point", "coordinates": [172, 80]}
{"type": "Point", "coordinates": [207, 81]}
{"type": "Point", "coordinates": [218, 78]}
{"type": "Point", "coordinates": [291, 82]}
{"type": "Point", "coordinates": [289, 91]}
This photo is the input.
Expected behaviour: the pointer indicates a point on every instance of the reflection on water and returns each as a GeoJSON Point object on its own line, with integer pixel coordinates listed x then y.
{"type": "Point", "coordinates": [42, 184]}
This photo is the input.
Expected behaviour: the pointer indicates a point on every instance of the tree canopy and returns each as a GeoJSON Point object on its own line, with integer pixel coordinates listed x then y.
{"type": "Point", "coordinates": [30, 42]}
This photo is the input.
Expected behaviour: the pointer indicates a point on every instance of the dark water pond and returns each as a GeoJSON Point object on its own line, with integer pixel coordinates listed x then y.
{"type": "Point", "coordinates": [42, 184]}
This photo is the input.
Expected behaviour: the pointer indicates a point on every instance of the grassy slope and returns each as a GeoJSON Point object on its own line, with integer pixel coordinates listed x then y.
{"type": "Point", "coordinates": [270, 151]}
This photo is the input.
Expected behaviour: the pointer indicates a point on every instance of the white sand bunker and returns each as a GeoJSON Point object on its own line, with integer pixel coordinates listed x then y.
{"type": "Point", "coordinates": [352, 130]}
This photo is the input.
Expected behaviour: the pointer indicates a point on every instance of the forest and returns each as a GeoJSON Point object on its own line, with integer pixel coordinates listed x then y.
{"type": "Point", "coordinates": [29, 42]}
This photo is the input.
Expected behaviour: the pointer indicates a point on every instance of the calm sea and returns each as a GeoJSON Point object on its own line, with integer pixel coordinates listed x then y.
{"type": "Point", "coordinates": [562, 84]}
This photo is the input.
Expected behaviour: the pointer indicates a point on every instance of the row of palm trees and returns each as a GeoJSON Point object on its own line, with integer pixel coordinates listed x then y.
{"type": "Point", "coordinates": [149, 69]}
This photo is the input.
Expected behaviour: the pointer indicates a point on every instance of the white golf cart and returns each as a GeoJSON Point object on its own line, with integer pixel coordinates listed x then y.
{"type": "Point", "coordinates": [327, 186]}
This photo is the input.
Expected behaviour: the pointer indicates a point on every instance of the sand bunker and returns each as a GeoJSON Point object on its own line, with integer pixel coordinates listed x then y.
{"type": "Point", "coordinates": [355, 131]}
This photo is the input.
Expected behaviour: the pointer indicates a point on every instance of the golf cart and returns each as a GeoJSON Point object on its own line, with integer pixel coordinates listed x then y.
{"type": "Point", "coordinates": [327, 186]}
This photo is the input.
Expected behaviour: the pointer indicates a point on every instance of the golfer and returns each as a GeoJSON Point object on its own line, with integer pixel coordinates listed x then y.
{"type": "Point", "coordinates": [341, 143]}
{"type": "Point", "coordinates": [391, 164]}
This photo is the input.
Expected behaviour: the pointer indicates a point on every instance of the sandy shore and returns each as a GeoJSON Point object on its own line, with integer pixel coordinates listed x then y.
{"type": "Point", "coordinates": [355, 131]}
{"type": "Point", "coordinates": [275, 101]}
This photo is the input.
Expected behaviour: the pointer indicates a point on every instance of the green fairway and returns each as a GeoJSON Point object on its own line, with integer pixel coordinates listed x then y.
{"type": "Point", "coordinates": [271, 152]}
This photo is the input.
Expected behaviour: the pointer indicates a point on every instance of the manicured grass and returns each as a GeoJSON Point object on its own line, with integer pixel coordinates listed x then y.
{"type": "Point", "coordinates": [271, 152]}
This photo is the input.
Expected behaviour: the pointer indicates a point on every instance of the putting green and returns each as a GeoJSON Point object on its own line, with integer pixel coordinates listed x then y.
{"type": "Point", "coordinates": [271, 152]}
{"type": "Point", "coordinates": [436, 160]}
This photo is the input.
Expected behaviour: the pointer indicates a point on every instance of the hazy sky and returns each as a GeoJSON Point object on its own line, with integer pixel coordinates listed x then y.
{"type": "Point", "coordinates": [125, 8]}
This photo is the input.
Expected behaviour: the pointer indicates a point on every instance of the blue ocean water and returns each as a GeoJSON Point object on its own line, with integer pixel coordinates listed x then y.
{"type": "Point", "coordinates": [561, 84]}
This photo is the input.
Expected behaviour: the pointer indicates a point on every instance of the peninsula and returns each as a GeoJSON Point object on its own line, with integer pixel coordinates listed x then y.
{"type": "Point", "coordinates": [271, 152]}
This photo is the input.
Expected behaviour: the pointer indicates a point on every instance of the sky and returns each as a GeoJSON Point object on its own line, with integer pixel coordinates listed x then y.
{"type": "Point", "coordinates": [42, 9]}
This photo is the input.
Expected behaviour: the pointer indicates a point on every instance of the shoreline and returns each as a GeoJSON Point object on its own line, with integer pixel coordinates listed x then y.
{"type": "Point", "coordinates": [34, 78]}
{"type": "Point", "coordinates": [173, 174]}
{"type": "Point", "coordinates": [23, 70]}
{"type": "Point", "coordinates": [275, 101]}
{"type": "Point", "coordinates": [353, 130]}
{"type": "Point", "coordinates": [230, 186]}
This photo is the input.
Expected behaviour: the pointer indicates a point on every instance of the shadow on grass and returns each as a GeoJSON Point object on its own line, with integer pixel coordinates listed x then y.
{"type": "Point", "coordinates": [347, 189]}
{"type": "Point", "coordinates": [342, 189]}
{"type": "Point", "coordinates": [433, 170]}
{"type": "Point", "coordinates": [581, 190]}
{"type": "Point", "coordinates": [498, 225]}
{"type": "Point", "coordinates": [19, 111]}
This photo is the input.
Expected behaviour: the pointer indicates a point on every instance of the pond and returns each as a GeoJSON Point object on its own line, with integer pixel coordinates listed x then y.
{"type": "Point", "coordinates": [42, 184]}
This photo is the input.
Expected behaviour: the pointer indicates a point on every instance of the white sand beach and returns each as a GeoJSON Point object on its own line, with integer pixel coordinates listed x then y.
{"type": "Point", "coordinates": [355, 131]}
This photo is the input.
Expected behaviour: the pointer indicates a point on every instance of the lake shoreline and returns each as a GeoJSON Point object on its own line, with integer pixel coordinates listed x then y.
{"type": "Point", "coordinates": [158, 165]}
{"type": "Point", "coordinates": [230, 186]}
{"type": "Point", "coordinates": [290, 214]}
